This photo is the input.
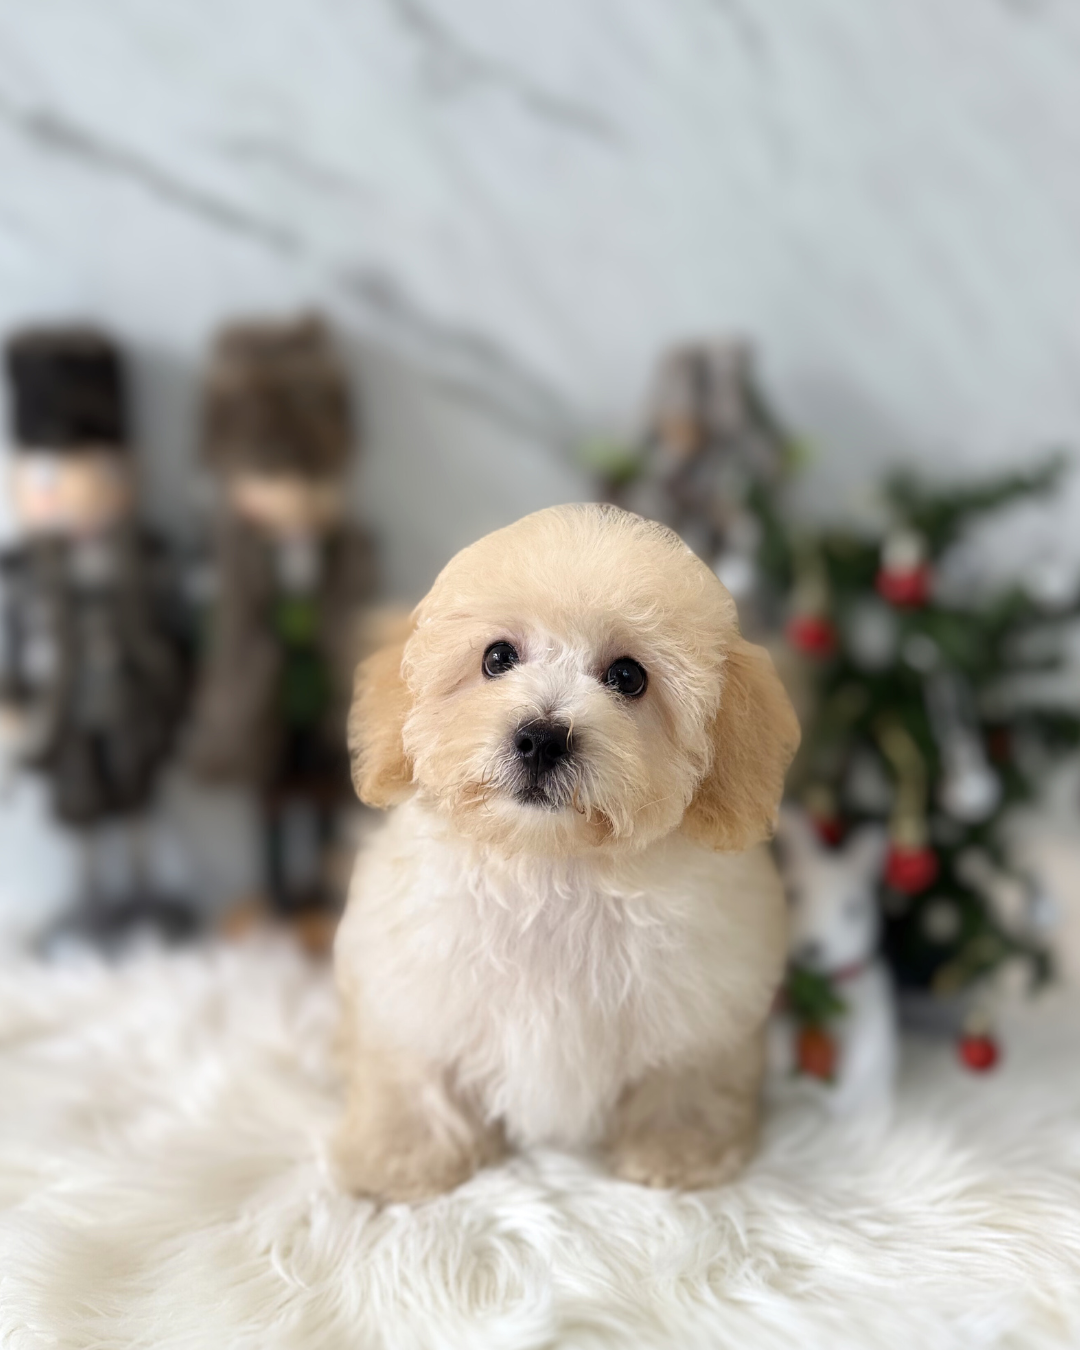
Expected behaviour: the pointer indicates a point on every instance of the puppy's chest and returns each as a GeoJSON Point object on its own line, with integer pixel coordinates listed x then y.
{"type": "Point", "coordinates": [577, 950]}
{"type": "Point", "coordinates": [553, 976]}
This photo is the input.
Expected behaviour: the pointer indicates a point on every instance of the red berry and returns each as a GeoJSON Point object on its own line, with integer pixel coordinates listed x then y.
{"type": "Point", "coordinates": [978, 1053]}
{"type": "Point", "coordinates": [907, 587]}
{"type": "Point", "coordinates": [910, 870]}
{"type": "Point", "coordinates": [815, 1053]}
{"type": "Point", "coordinates": [812, 633]}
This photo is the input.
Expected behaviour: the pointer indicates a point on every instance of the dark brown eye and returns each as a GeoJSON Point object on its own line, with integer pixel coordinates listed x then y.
{"type": "Point", "coordinates": [498, 659]}
{"type": "Point", "coordinates": [626, 676]}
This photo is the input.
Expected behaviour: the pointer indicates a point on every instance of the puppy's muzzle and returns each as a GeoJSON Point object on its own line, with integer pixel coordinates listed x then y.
{"type": "Point", "coordinates": [541, 747]}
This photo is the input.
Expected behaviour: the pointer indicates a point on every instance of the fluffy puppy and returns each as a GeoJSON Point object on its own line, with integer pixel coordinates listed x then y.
{"type": "Point", "coordinates": [563, 933]}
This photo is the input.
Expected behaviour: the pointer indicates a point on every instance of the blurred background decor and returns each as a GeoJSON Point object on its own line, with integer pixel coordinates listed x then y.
{"type": "Point", "coordinates": [937, 709]}
{"type": "Point", "coordinates": [94, 675]}
{"type": "Point", "coordinates": [712, 459]}
{"type": "Point", "coordinates": [836, 1018]}
{"type": "Point", "coordinates": [283, 595]}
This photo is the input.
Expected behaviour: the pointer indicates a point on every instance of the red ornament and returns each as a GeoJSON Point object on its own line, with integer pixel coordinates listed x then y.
{"type": "Point", "coordinates": [905, 587]}
{"type": "Point", "coordinates": [830, 829]}
{"type": "Point", "coordinates": [815, 1053]}
{"type": "Point", "coordinates": [812, 634]}
{"type": "Point", "coordinates": [910, 870]}
{"type": "Point", "coordinates": [978, 1052]}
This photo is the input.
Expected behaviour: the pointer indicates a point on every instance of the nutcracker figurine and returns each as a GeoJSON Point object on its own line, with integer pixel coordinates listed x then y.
{"type": "Point", "coordinates": [289, 578]}
{"type": "Point", "coordinates": [93, 670]}
{"type": "Point", "coordinates": [713, 451]}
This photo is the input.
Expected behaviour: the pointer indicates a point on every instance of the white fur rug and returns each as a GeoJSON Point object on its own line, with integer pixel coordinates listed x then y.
{"type": "Point", "coordinates": [161, 1186]}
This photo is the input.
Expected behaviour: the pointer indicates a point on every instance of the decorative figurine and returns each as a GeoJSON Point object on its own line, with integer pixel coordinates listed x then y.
{"type": "Point", "coordinates": [291, 576]}
{"type": "Point", "coordinates": [838, 1023]}
{"type": "Point", "coordinates": [713, 452]}
{"type": "Point", "coordinates": [93, 676]}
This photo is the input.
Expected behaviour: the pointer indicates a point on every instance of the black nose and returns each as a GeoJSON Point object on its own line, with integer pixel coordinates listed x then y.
{"type": "Point", "coordinates": [541, 745]}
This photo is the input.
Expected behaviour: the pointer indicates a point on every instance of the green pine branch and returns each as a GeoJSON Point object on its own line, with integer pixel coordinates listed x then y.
{"type": "Point", "coordinates": [941, 514]}
{"type": "Point", "coordinates": [811, 998]}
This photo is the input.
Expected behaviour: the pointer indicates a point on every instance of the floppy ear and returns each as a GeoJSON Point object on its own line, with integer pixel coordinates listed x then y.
{"type": "Point", "coordinates": [381, 771]}
{"type": "Point", "coordinates": [754, 737]}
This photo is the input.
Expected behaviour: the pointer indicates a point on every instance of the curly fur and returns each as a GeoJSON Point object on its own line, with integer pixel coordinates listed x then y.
{"type": "Point", "coordinates": [593, 971]}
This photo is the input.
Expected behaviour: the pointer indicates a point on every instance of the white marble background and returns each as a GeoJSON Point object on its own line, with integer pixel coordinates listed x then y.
{"type": "Point", "coordinates": [508, 208]}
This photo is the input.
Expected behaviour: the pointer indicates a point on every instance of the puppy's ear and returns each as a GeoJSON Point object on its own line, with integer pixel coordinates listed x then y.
{"type": "Point", "coordinates": [381, 771]}
{"type": "Point", "coordinates": [754, 738]}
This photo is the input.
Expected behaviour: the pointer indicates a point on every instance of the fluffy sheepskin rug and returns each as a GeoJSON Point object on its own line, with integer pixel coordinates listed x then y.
{"type": "Point", "coordinates": [162, 1185]}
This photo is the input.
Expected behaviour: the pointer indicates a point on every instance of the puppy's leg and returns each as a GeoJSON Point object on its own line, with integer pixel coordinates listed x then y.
{"type": "Point", "coordinates": [689, 1127]}
{"type": "Point", "coordinates": [407, 1133]}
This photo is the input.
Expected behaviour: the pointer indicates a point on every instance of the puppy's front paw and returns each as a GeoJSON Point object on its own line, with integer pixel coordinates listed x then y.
{"type": "Point", "coordinates": [413, 1166]}
{"type": "Point", "coordinates": [409, 1169]}
{"type": "Point", "coordinates": [678, 1156]}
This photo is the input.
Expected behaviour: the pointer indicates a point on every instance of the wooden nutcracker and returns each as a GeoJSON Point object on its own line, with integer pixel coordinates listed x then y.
{"type": "Point", "coordinates": [93, 677]}
{"type": "Point", "coordinates": [290, 576]}
{"type": "Point", "coordinates": [710, 439]}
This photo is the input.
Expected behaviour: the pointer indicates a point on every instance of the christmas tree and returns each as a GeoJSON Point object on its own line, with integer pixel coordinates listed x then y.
{"type": "Point", "coordinates": [926, 717]}
{"type": "Point", "coordinates": [920, 712]}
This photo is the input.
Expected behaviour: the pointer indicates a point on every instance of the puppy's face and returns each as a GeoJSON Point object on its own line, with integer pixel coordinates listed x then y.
{"type": "Point", "coordinates": [574, 682]}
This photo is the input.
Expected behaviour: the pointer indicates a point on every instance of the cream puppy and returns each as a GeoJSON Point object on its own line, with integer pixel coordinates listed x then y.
{"type": "Point", "coordinates": [563, 933]}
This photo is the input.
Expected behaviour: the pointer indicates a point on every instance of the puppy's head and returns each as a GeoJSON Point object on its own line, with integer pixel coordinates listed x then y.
{"type": "Point", "coordinates": [572, 682]}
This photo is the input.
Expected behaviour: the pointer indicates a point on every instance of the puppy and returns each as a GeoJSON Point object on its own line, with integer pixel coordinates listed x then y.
{"type": "Point", "coordinates": [563, 933]}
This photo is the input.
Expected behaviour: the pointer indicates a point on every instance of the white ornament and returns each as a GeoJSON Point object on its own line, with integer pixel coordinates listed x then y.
{"type": "Point", "coordinates": [921, 653]}
{"type": "Point", "coordinates": [970, 790]}
{"type": "Point", "coordinates": [834, 931]}
{"type": "Point", "coordinates": [737, 572]}
{"type": "Point", "coordinates": [1043, 914]}
{"type": "Point", "coordinates": [1051, 584]}
{"type": "Point", "coordinates": [872, 631]}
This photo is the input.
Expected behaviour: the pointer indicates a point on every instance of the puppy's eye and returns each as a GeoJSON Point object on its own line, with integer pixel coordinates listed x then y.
{"type": "Point", "coordinates": [498, 659]}
{"type": "Point", "coordinates": [626, 676]}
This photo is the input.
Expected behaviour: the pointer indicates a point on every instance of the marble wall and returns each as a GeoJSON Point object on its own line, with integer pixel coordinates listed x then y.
{"type": "Point", "coordinates": [508, 208]}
